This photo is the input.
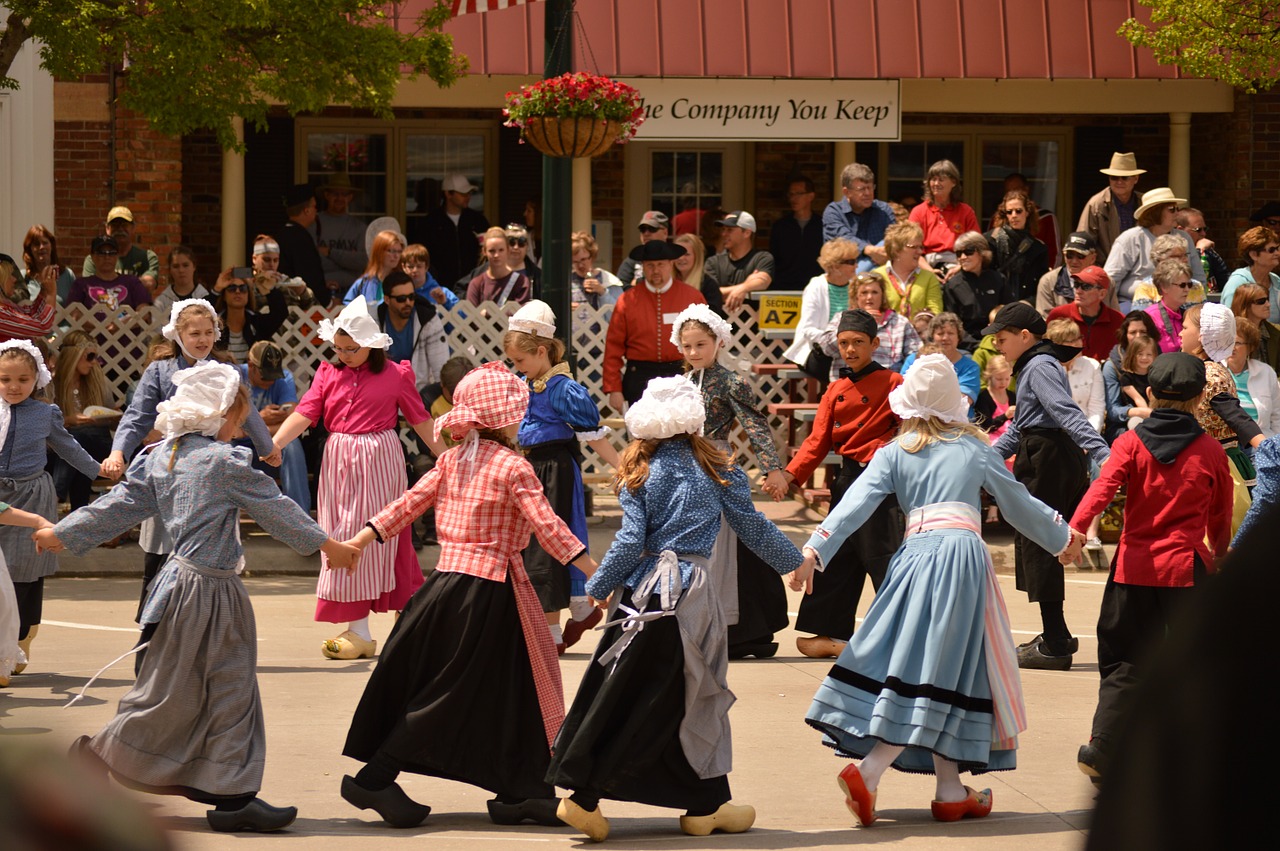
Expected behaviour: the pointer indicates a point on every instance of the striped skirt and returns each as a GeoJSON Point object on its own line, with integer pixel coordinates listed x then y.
{"type": "Point", "coordinates": [359, 475]}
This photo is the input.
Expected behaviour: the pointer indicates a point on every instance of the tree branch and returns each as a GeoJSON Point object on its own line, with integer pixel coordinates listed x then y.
{"type": "Point", "coordinates": [17, 31]}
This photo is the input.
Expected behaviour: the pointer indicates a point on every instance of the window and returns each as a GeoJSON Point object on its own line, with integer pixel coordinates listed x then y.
{"type": "Point", "coordinates": [1036, 161]}
{"type": "Point", "coordinates": [362, 157]}
{"type": "Point", "coordinates": [429, 158]}
{"type": "Point", "coordinates": [908, 163]}
{"type": "Point", "coordinates": [684, 184]}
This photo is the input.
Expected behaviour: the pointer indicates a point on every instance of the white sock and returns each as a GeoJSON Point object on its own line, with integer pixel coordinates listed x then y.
{"type": "Point", "coordinates": [361, 628]}
{"type": "Point", "coordinates": [557, 637]}
{"type": "Point", "coordinates": [876, 763]}
{"type": "Point", "coordinates": [580, 608]}
{"type": "Point", "coordinates": [949, 788]}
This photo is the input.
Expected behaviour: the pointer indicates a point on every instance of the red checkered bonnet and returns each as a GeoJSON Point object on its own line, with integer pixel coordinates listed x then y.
{"type": "Point", "coordinates": [489, 396]}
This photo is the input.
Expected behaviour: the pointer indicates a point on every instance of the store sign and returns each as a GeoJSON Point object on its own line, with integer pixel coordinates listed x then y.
{"type": "Point", "coordinates": [778, 311]}
{"type": "Point", "coordinates": [753, 110]}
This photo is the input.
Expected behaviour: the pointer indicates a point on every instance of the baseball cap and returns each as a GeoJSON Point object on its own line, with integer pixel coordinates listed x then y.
{"type": "Point", "coordinates": [104, 245]}
{"type": "Point", "coordinates": [119, 213]}
{"type": "Point", "coordinates": [1080, 242]}
{"type": "Point", "coordinates": [739, 219]}
{"type": "Point", "coordinates": [1015, 317]}
{"type": "Point", "coordinates": [1176, 376]}
{"type": "Point", "coordinates": [1093, 275]}
{"type": "Point", "coordinates": [654, 219]}
{"type": "Point", "coordinates": [269, 359]}
{"type": "Point", "coordinates": [458, 183]}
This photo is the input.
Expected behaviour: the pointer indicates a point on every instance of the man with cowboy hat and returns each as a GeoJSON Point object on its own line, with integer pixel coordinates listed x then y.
{"type": "Point", "coordinates": [340, 235]}
{"type": "Point", "coordinates": [640, 330]}
{"type": "Point", "coordinates": [1114, 209]}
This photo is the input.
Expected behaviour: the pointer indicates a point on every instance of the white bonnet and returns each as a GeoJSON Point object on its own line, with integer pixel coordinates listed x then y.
{"type": "Point", "coordinates": [1217, 330]}
{"type": "Point", "coordinates": [534, 317]}
{"type": "Point", "coordinates": [42, 371]}
{"type": "Point", "coordinates": [201, 399]}
{"type": "Point", "coordinates": [707, 316]}
{"type": "Point", "coordinates": [930, 389]}
{"type": "Point", "coordinates": [669, 406]}
{"type": "Point", "coordinates": [356, 322]}
{"type": "Point", "coordinates": [170, 331]}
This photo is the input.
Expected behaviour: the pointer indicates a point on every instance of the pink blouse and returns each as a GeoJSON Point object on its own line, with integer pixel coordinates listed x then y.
{"type": "Point", "coordinates": [358, 401]}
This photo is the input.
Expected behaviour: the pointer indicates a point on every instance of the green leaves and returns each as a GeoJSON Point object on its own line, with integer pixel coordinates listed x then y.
{"type": "Point", "coordinates": [1235, 42]}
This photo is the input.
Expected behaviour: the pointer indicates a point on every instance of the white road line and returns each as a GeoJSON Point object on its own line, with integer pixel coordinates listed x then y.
{"type": "Point", "coordinates": [70, 625]}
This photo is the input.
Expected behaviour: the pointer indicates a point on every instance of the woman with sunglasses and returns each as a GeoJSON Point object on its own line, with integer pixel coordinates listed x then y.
{"type": "Point", "coordinates": [519, 257]}
{"type": "Point", "coordinates": [89, 407]}
{"type": "Point", "coordinates": [1173, 279]}
{"type": "Point", "coordinates": [1171, 246]}
{"type": "Point", "coordinates": [1252, 304]}
{"type": "Point", "coordinates": [1260, 248]}
{"type": "Point", "coordinates": [237, 304]}
{"type": "Point", "coordinates": [1017, 254]}
{"type": "Point", "coordinates": [976, 290]}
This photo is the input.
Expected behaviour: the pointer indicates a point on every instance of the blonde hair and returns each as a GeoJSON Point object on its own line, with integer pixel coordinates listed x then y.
{"type": "Point", "coordinates": [1187, 406]}
{"type": "Point", "coordinates": [698, 252]}
{"type": "Point", "coordinates": [523, 341]}
{"type": "Point", "coordinates": [836, 251]}
{"type": "Point", "coordinates": [166, 349]}
{"type": "Point", "coordinates": [996, 363]}
{"type": "Point", "coordinates": [897, 236]}
{"type": "Point", "coordinates": [67, 380]}
{"type": "Point", "coordinates": [633, 465]}
{"type": "Point", "coordinates": [919, 432]}
{"type": "Point", "coordinates": [1063, 332]}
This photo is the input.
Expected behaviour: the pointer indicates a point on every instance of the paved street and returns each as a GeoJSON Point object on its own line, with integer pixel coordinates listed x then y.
{"type": "Point", "coordinates": [780, 765]}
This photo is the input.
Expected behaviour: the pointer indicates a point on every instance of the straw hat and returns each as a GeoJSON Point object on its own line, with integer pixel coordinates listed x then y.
{"type": "Point", "coordinates": [1156, 197]}
{"type": "Point", "coordinates": [1123, 165]}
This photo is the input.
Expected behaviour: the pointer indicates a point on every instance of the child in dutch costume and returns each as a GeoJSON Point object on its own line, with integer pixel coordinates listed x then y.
{"type": "Point", "coordinates": [561, 413]}
{"type": "Point", "coordinates": [650, 722]}
{"type": "Point", "coordinates": [11, 654]}
{"type": "Point", "coordinates": [28, 428]}
{"type": "Point", "coordinates": [929, 683]}
{"type": "Point", "coordinates": [468, 686]}
{"type": "Point", "coordinates": [754, 598]}
{"type": "Point", "coordinates": [360, 400]}
{"type": "Point", "coordinates": [192, 725]}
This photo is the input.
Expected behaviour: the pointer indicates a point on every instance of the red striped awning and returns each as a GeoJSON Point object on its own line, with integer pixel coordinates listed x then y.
{"type": "Point", "coordinates": [467, 7]}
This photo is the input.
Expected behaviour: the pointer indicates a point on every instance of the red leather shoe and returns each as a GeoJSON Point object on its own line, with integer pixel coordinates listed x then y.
{"type": "Point", "coordinates": [856, 797]}
{"type": "Point", "coordinates": [977, 805]}
{"type": "Point", "coordinates": [573, 630]}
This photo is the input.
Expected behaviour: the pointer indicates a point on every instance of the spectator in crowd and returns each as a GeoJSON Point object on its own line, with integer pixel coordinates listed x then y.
{"type": "Point", "coordinates": [1252, 304]}
{"type": "Point", "coordinates": [415, 260]}
{"type": "Point", "coordinates": [384, 258]}
{"type": "Point", "coordinates": [689, 267]}
{"type": "Point", "coordinates": [415, 329]}
{"type": "Point", "coordinates": [1259, 250]}
{"type": "Point", "coordinates": [1256, 384]}
{"type": "Point", "coordinates": [912, 287]}
{"type": "Point", "coordinates": [108, 287]}
{"type": "Point", "coordinates": [1138, 358]}
{"type": "Point", "coordinates": [1047, 229]}
{"type": "Point", "coordinates": [995, 407]}
{"type": "Point", "coordinates": [796, 238]}
{"type": "Point", "coordinates": [942, 216]}
{"type": "Point", "coordinates": [274, 394]}
{"type": "Point", "coordinates": [532, 216]}
{"type": "Point", "coordinates": [453, 231]}
{"type": "Point", "coordinates": [1115, 209]}
{"type": "Point", "coordinates": [713, 236]}
{"type": "Point", "coordinates": [450, 374]}
{"type": "Point", "coordinates": [498, 283]}
{"type": "Point", "coordinates": [236, 304]}
{"type": "Point", "coordinates": [299, 257]}
{"type": "Point", "coordinates": [1137, 323]}
{"type": "Point", "coordinates": [134, 260]}
{"type": "Point", "coordinates": [588, 283]}
{"type": "Point", "coordinates": [40, 256]}
{"type": "Point", "coordinates": [945, 331]}
{"type": "Point", "coordinates": [1129, 260]}
{"type": "Point", "coordinates": [898, 339]}
{"type": "Point", "coordinates": [1173, 279]}
{"type": "Point", "coordinates": [1191, 221]}
{"type": "Point", "coordinates": [825, 297]}
{"type": "Point", "coordinates": [859, 216]}
{"type": "Point", "coordinates": [1055, 288]}
{"type": "Point", "coordinates": [266, 272]}
{"type": "Point", "coordinates": [1096, 322]}
{"type": "Point", "coordinates": [1170, 246]}
{"type": "Point", "coordinates": [339, 235]}
{"type": "Point", "coordinates": [89, 408]}
{"type": "Point", "coordinates": [639, 333]}
{"type": "Point", "coordinates": [653, 225]}
{"type": "Point", "coordinates": [1268, 214]}
{"type": "Point", "coordinates": [977, 289]}
{"type": "Point", "coordinates": [1084, 374]}
{"type": "Point", "coordinates": [1017, 253]}
{"type": "Point", "coordinates": [182, 280]}
{"type": "Point", "coordinates": [689, 219]}
{"type": "Point", "coordinates": [741, 268]}
{"type": "Point", "coordinates": [518, 254]}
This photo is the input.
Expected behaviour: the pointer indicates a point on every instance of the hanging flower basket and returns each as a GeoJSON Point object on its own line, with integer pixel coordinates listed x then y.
{"type": "Point", "coordinates": [575, 114]}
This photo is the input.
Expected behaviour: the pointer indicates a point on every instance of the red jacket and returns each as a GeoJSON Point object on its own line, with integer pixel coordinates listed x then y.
{"type": "Point", "coordinates": [1167, 510]}
{"type": "Point", "coordinates": [854, 417]}
{"type": "Point", "coordinates": [1100, 335]}
{"type": "Point", "coordinates": [640, 329]}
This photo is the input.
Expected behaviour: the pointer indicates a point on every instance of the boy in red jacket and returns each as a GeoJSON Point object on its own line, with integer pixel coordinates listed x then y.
{"type": "Point", "coordinates": [1179, 494]}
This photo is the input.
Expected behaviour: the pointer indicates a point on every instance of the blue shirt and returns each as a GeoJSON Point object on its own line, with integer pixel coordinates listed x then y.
{"type": "Point", "coordinates": [1244, 276]}
{"type": "Point", "coordinates": [967, 372]}
{"type": "Point", "coordinates": [865, 228]}
{"type": "Point", "coordinates": [401, 348]}
{"type": "Point", "coordinates": [283, 391]}
{"type": "Point", "coordinates": [33, 425]}
{"type": "Point", "coordinates": [560, 412]}
{"type": "Point", "coordinates": [1044, 401]}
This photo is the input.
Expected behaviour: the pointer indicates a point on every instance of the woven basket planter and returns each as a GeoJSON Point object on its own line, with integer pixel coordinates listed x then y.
{"type": "Point", "coordinates": [571, 137]}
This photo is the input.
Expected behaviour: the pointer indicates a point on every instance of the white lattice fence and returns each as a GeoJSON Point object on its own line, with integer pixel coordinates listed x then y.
{"type": "Point", "coordinates": [124, 335]}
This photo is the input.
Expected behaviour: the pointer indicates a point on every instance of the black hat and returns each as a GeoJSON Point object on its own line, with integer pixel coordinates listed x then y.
{"type": "Point", "coordinates": [271, 362]}
{"type": "Point", "coordinates": [860, 321]}
{"type": "Point", "coordinates": [104, 245]}
{"type": "Point", "coordinates": [1269, 210]}
{"type": "Point", "coordinates": [1081, 242]}
{"type": "Point", "coordinates": [656, 249]}
{"type": "Point", "coordinates": [299, 193]}
{"type": "Point", "coordinates": [1017, 316]}
{"type": "Point", "coordinates": [1176, 376]}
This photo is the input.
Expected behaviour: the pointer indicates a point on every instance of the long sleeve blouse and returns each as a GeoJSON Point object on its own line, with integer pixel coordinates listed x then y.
{"type": "Point", "coordinates": [1044, 401]}
{"type": "Point", "coordinates": [563, 411]}
{"type": "Point", "coordinates": [33, 425]}
{"type": "Point", "coordinates": [727, 398]}
{"type": "Point", "coordinates": [678, 508]}
{"type": "Point", "coordinates": [356, 400]}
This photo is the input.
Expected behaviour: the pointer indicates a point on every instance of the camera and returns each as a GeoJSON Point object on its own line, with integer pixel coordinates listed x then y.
{"type": "Point", "coordinates": [244, 272]}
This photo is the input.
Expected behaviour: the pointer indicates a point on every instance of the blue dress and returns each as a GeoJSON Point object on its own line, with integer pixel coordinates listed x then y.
{"type": "Point", "coordinates": [917, 672]}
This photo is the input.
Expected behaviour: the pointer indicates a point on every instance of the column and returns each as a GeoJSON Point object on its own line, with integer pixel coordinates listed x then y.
{"type": "Point", "coordinates": [581, 215]}
{"type": "Point", "coordinates": [842, 156]}
{"type": "Point", "coordinates": [1180, 155]}
{"type": "Point", "coordinates": [233, 203]}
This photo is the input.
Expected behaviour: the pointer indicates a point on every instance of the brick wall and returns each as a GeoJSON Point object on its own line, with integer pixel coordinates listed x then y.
{"type": "Point", "coordinates": [776, 163]}
{"type": "Point", "coordinates": [149, 181]}
{"type": "Point", "coordinates": [81, 174]}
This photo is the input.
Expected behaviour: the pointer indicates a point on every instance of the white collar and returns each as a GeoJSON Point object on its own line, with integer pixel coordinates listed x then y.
{"type": "Point", "coordinates": [651, 288]}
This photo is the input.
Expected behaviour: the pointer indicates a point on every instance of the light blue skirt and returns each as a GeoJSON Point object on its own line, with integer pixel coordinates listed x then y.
{"type": "Point", "coordinates": [915, 672]}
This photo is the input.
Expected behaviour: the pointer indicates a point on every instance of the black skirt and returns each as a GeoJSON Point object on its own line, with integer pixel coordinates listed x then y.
{"type": "Point", "coordinates": [453, 694]}
{"type": "Point", "coordinates": [1054, 470]}
{"type": "Point", "coordinates": [558, 468]}
{"type": "Point", "coordinates": [621, 738]}
{"type": "Point", "coordinates": [762, 601]}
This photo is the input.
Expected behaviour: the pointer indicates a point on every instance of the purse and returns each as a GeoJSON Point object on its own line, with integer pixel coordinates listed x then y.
{"type": "Point", "coordinates": [817, 364]}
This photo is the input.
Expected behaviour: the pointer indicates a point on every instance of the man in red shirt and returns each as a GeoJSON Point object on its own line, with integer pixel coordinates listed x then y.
{"type": "Point", "coordinates": [640, 329]}
{"type": "Point", "coordinates": [1098, 323]}
{"type": "Point", "coordinates": [1179, 497]}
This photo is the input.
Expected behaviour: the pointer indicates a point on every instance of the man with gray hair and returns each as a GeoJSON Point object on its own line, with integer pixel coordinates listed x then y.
{"type": "Point", "coordinates": [859, 217]}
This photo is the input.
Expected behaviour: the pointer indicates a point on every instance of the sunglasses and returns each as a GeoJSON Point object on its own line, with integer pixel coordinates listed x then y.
{"type": "Point", "coordinates": [1017, 212]}
{"type": "Point", "coordinates": [237, 288]}
{"type": "Point", "coordinates": [1086, 288]}
{"type": "Point", "coordinates": [1261, 301]}
{"type": "Point", "coordinates": [1272, 249]}
{"type": "Point", "coordinates": [92, 357]}
{"type": "Point", "coordinates": [648, 229]}
{"type": "Point", "coordinates": [514, 241]}
{"type": "Point", "coordinates": [402, 299]}
{"type": "Point", "coordinates": [1271, 223]}
{"type": "Point", "coordinates": [1196, 230]}
{"type": "Point", "coordinates": [853, 261]}
{"type": "Point", "coordinates": [1186, 285]}
{"type": "Point", "coordinates": [965, 252]}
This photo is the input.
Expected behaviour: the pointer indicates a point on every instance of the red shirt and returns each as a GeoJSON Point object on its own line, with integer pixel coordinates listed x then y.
{"type": "Point", "coordinates": [941, 225]}
{"type": "Point", "coordinates": [640, 329]}
{"type": "Point", "coordinates": [854, 417]}
{"type": "Point", "coordinates": [1167, 511]}
{"type": "Point", "coordinates": [1100, 335]}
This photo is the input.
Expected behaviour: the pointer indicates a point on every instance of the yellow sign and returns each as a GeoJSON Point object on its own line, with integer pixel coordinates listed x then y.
{"type": "Point", "coordinates": [779, 312]}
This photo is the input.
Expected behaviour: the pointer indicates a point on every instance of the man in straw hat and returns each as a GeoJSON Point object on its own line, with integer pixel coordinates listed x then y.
{"type": "Point", "coordinates": [339, 235]}
{"type": "Point", "coordinates": [1114, 209]}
